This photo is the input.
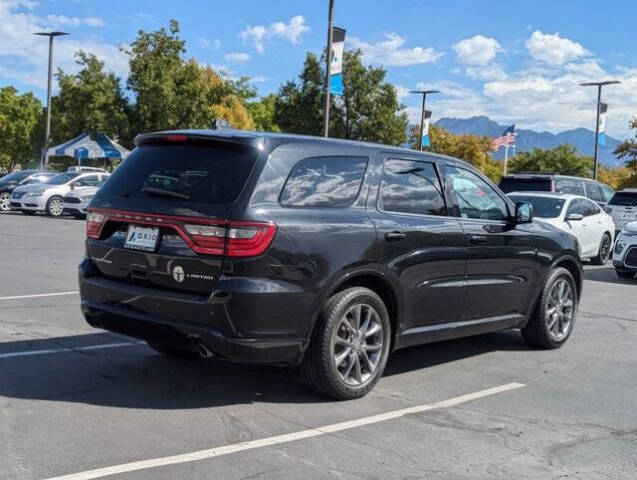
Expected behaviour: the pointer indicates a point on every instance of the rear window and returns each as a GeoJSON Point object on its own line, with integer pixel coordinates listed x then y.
{"type": "Point", "coordinates": [545, 207]}
{"type": "Point", "coordinates": [508, 185]}
{"type": "Point", "coordinates": [570, 186]}
{"type": "Point", "coordinates": [624, 199]}
{"type": "Point", "coordinates": [324, 182]}
{"type": "Point", "coordinates": [201, 173]}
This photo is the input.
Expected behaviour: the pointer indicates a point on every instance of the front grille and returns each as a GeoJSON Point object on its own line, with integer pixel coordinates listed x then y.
{"type": "Point", "coordinates": [72, 200]}
{"type": "Point", "coordinates": [18, 195]}
{"type": "Point", "coordinates": [631, 257]}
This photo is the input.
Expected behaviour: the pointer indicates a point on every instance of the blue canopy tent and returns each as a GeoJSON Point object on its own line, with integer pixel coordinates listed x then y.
{"type": "Point", "coordinates": [84, 147]}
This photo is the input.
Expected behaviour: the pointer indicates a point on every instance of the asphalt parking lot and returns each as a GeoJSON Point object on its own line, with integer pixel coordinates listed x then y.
{"type": "Point", "coordinates": [79, 403]}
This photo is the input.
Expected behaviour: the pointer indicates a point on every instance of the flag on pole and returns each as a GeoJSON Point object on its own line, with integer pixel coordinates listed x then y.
{"type": "Point", "coordinates": [336, 66]}
{"type": "Point", "coordinates": [425, 129]}
{"type": "Point", "coordinates": [507, 138]}
{"type": "Point", "coordinates": [603, 108]}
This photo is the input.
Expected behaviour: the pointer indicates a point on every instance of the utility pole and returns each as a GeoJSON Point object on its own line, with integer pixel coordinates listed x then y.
{"type": "Point", "coordinates": [424, 94]}
{"type": "Point", "coordinates": [328, 63]}
{"type": "Point", "coordinates": [599, 86]}
{"type": "Point", "coordinates": [44, 158]}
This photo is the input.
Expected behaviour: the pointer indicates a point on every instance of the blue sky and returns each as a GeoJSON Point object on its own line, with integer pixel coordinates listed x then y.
{"type": "Point", "coordinates": [513, 61]}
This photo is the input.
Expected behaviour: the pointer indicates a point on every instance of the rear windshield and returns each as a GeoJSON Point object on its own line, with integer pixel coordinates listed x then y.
{"type": "Point", "coordinates": [525, 185]}
{"type": "Point", "coordinates": [197, 173]}
{"type": "Point", "coordinates": [545, 207]}
{"type": "Point", "coordinates": [625, 199]}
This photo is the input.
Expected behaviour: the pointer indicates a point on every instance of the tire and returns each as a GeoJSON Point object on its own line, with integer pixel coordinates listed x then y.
{"type": "Point", "coordinates": [28, 212]}
{"type": "Point", "coordinates": [367, 343]}
{"type": "Point", "coordinates": [55, 207]}
{"type": "Point", "coordinates": [604, 251]}
{"type": "Point", "coordinates": [172, 352]}
{"type": "Point", "coordinates": [5, 202]}
{"type": "Point", "coordinates": [625, 274]}
{"type": "Point", "coordinates": [538, 332]}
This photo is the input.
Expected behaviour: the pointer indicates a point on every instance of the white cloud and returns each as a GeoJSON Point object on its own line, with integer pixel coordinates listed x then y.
{"type": "Point", "coordinates": [64, 21]}
{"type": "Point", "coordinates": [237, 57]}
{"type": "Point", "coordinates": [553, 49]}
{"type": "Point", "coordinates": [390, 52]}
{"type": "Point", "coordinates": [209, 44]}
{"type": "Point", "coordinates": [478, 50]}
{"type": "Point", "coordinates": [401, 92]}
{"type": "Point", "coordinates": [259, 34]}
{"type": "Point", "coordinates": [486, 72]}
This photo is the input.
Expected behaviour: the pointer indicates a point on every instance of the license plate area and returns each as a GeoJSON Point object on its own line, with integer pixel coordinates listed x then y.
{"type": "Point", "coordinates": [142, 238]}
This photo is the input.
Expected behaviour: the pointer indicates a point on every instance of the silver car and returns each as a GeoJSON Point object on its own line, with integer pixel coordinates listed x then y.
{"type": "Point", "coordinates": [48, 197]}
{"type": "Point", "coordinates": [77, 200]}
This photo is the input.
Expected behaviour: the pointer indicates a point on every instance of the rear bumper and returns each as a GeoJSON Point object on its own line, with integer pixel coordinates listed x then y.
{"type": "Point", "coordinates": [184, 321]}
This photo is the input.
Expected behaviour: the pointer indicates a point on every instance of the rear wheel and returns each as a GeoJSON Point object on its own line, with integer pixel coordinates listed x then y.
{"type": "Point", "coordinates": [625, 274]}
{"type": "Point", "coordinates": [349, 346]}
{"type": "Point", "coordinates": [5, 202]}
{"type": "Point", "coordinates": [172, 352]}
{"type": "Point", "coordinates": [552, 321]}
{"type": "Point", "coordinates": [54, 207]}
{"type": "Point", "coordinates": [603, 254]}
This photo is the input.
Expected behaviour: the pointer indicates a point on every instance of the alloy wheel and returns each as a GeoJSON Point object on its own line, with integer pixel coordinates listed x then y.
{"type": "Point", "coordinates": [55, 207]}
{"type": "Point", "coordinates": [604, 249]}
{"type": "Point", "coordinates": [5, 202]}
{"type": "Point", "coordinates": [357, 344]}
{"type": "Point", "coordinates": [560, 309]}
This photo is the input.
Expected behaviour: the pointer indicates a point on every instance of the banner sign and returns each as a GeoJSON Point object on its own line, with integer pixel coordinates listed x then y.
{"type": "Point", "coordinates": [425, 129]}
{"type": "Point", "coordinates": [603, 108]}
{"type": "Point", "coordinates": [336, 65]}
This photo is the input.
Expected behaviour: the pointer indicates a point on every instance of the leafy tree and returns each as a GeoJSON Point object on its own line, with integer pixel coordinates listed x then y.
{"type": "Point", "coordinates": [263, 112]}
{"type": "Point", "coordinates": [368, 110]}
{"type": "Point", "coordinates": [89, 101]}
{"type": "Point", "coordinates": [628, 148]}
{"type": "Point", "coordinates": [618, 177]}
{"type": "Point", "coordinates": [20, 116]}
{"type": "Point", "coordinates": [563, 159]}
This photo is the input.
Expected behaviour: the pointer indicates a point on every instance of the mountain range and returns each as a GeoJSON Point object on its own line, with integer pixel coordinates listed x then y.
{"type": "Point", "coordinates": [581, 138]}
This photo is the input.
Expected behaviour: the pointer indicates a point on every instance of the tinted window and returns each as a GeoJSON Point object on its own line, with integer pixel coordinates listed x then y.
{"type": "Point", "coordinates": [62, 178]}
{"type": "Point", "coordinates": [204, 173]}
{"type": "Point", "coordinates": [88, 180]}
{"type": "Point", "coordinates": [15, 177]}
{"type": "Point", "coordinates": [532, 184]}
{"type": "Point", "coordinates": [593, 192]}
{"type": "Point", "coordinates": [582, 207]}
{"type": "Point", "coordinates": [476, 198]}
{"type": "Point", "coordinates": [625, 199]}
{"type": "Point", "coordinates": [411, 187]}
{"type": "Point", "coordinates": [565, 185]}
{"type": "Point", "coordinates": [607, 192]}
{"type": "Point", "coordinates": [324, 182]}
{"type": "Point", "coordinates": [545, 207]}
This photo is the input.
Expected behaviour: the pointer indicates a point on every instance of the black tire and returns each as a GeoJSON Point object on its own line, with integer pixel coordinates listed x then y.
{"type": "Point", "coordinates": [55, 212]}
{"type": "Point", "coordinates": [604, 251]}
{"type": "Point", "coordinates": [318, 367]}
{"type": "Point", "coordinates": [28, 212]}
{"type": "Point", "coordinates": [536, 332]}
{"type": "Point", "coordinates": [173, 352]}
{"type": "Point", "coordinates": [624, 274]}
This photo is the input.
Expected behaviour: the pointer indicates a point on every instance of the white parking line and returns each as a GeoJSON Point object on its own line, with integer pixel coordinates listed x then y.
{"type": "Point", "coordinates": [290, 437]}
{"type": "Point", "coordinates": [38, 295]}
{"type": "Point", "coordinates": [26, 353]}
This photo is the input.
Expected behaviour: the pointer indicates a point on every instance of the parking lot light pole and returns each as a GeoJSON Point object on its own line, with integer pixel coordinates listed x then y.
{"type": "Point", "coordinates": [599, 86]}
{"type": "Point", "coordinates": [328, 63]}
{"type": "Point", "coordinates": [424, 94]}
{"type": "Point", "coordinates": [44, 159]}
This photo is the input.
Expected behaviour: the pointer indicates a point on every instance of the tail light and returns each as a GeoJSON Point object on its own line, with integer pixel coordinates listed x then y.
{"type": "Point", "coordinates": [94, 222]}
{"type": "Point", "coordinates": [246, 239]}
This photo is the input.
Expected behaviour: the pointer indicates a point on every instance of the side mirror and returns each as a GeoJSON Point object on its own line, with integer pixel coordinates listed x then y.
{"type": "Point", "coordinates": [524, 212]}
{"type": "Point", "coordinates": [574, 217]}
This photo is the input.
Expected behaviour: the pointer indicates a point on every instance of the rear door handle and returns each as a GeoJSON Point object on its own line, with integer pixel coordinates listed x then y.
{"type": "Point", "coordinates": [395, 236]}
{"type": "Point", "coordinates": [478, 239]}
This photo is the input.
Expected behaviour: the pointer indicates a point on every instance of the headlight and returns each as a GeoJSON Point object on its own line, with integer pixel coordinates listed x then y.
{"type": "Point", "coordinates": [39, 193]}
{"type": "Point", "coordinates": [86, 198]}
{"type": "Point", "coordinates": [619, 246]}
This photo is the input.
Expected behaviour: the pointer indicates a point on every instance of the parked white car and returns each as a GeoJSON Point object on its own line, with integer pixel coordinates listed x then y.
{"type": "Point", "coordinates": [48, 197]}
{"type": "Point", "coordinates": [577, 215]}
{"type": "Point", "coordinates": [625, 252]}
{"type": "Point", "coordinates": [77, 200]}
{"type": "Point", "coordinates": [623, 207]}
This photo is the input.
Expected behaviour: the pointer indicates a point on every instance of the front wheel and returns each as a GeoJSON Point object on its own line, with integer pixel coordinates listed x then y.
{"type": "Point", "coordinates": [5, 202]}
{"type": "Point", "coordinates": [349, 346]}
{"type": "Point", "coordinates": [625, 274]}
{"type": "Point", "coordinates": [603, 253]}
{"type": "Point", "coordinates": [54, 207]}
{"type": "Point", "coordinates": [552, 320]}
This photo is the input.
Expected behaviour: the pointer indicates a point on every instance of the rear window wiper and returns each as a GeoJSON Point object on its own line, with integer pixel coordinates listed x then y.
{"type": "Point", "coordinates": [160, 192]}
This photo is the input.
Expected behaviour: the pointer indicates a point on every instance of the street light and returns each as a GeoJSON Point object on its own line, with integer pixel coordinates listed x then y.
{"type": "Point", "coordinates": [599, 86]}
{"type": "Point", "coordinates": [328, 62]}
{"type": "Point", "coordinates": [424, 94]}
{"type": "Point", "coordinates": [44, 159]}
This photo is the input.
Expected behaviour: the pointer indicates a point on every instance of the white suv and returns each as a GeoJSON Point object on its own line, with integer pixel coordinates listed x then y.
{"type": "Point", "coordinates": [48, 197]}
{"type": "Point", "coordinates": [623, 207]}
{"type": "Point", "coordinates": [625, 252]}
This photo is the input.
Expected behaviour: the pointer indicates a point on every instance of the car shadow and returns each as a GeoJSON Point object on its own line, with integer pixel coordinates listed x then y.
{"type": "Point", "coordinates": [135, 376]}
{"type": "Point", "coordinates": [606, 274]}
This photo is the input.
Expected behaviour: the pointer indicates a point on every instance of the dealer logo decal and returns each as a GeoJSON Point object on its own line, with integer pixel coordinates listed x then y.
{"type": "Point", "coordinates": [178, 274]}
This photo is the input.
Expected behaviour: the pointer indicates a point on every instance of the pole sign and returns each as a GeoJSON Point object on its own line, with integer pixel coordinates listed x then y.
{"type": "Point", "coordinates": [336, 65]}
{"type": "Point", "coordinates": [603, 108]}
{"type": "Point", "coordinates": [425, 129]}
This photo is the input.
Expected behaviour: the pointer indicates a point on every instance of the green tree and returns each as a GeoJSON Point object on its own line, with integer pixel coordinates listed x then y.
{"type": "Point", "coordinates": [628, 148]}
{"type": "Point", "coordinates": [563, 159]}
{"type": "Point", "coordinates": [90, 100]}
{"type": "Point", "coordinates": [20, 116]}
{"type": "Point", "coordinates": [263, 112]}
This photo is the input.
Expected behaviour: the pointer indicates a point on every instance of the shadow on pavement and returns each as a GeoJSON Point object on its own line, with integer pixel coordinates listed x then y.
{"type": "Point", "coordinates": [606, 274]}
{"type": "Point", "coordinates": [137, 377]}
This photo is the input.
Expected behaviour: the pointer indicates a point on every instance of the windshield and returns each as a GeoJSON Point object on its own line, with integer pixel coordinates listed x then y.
{"type": "Point", "coordinates": [62, 178]}
{"type": "Point", "coordinates": [15, 177]}
{"type": "Point", "coordinates": [531, 184]}
{"type": "Point", "coordinates": [624, 199]}
{"type": "Point", "coordinates": [545, 207]}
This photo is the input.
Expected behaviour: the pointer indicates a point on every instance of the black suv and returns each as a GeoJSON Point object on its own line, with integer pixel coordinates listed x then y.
{"type": "Point", "coordinates": [325, 254]}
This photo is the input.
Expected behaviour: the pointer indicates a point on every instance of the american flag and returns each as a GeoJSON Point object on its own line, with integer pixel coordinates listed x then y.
{"type": "Point", "coordinates": [507, 138]}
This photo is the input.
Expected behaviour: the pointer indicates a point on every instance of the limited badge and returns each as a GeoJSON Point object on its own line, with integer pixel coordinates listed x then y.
{"type": "Point", "coordinates": [178, 274]}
